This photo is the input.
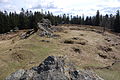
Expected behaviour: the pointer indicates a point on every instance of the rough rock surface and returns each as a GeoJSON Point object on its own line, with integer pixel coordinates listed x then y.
{"type": "Point", "coordinates": [44, 28]}
{"type": "Point", "coordinates": [53, 68]}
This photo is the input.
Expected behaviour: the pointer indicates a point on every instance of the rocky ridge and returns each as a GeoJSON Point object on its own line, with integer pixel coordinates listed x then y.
{"type": "Point", "coordinates": [53, 68]}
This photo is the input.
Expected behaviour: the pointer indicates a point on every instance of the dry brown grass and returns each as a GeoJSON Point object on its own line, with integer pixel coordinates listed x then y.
{"type": "Point", "coordinates": [16, 54]}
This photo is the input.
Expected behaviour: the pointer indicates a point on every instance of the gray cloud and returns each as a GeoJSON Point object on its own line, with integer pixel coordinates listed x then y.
{"type": "Point", "coordinates": [48, 6]}
{"type": "Point", "coordinates": [111, 10]}
{"type": "Point", "coordinates": [76, 10]}
{"type": "Point", "coordinates": [51, 6]}
{"type": "Point", "coordinates": [58, 12]}
{"type": "Point", "coordinates": [4, 1]}
{"type": "Point", "coordinates": [37, 7]}
{"type": "Point", "coordinates": [101, 6]}
{"type": "Point", "coordinates": [92, 9]}
{"type": "Point", "coordinates": [7, 5]}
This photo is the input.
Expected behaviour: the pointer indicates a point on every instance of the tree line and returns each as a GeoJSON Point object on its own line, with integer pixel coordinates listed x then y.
{"type": "Point", "coordinates": [28, 20]}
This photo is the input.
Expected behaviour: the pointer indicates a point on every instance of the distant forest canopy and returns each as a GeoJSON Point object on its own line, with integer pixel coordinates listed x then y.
{"type": "Point", "coordinates": [28, 20]}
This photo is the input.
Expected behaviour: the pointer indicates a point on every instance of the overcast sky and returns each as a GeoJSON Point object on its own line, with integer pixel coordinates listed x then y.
{"type": "Point", "coordinates": [74, 7]}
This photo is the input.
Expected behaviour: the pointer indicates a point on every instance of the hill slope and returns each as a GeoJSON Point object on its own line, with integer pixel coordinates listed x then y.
{"type": "Point", "coordinates": [85, 46]}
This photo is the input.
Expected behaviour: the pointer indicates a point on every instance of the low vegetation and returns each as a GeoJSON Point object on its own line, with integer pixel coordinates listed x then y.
{"type": "Point", "coordinates": [16, 53]}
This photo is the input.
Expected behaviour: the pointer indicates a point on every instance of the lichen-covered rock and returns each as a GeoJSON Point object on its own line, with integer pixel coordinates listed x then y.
{"type": "Point", "coordinates": [53, 68]}
{"type": "Point", "coordinates": [17, 75]}
{"type": "Point", "coordinates": [84, 75]}
{"type": "Point", "coordinates": [44, 28]}
{"type": "Point", "coordinates": [46, 22]}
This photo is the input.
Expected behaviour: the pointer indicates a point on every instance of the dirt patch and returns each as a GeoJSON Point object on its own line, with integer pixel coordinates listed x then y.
{"type": "Point", "coordinates": [108, 39]}
{"type": "Point", "coordinates": [47, 41]}
{"type": "Point", "coordinates": [102, 55]}
{"type": "Point", "coordinates": [76, 40]}
{"type": "Point", "coordinates": [109, 55]}
{"type": "Point", "coordinates": [57, 29]}
{"type": "Point", "coordinates": [114, 66]}
{"type": "Point", "coordinates": [105, 48]}
{"type": "Point", "coordinates": [30, 45]}
{"type": "Point", "coordinates": [11, 35]}
{"type": "Point", "coordinates": [81, 34]}
{"type": "Point", "coordinates": [75, 28]}
{"type": "Point", "coordinates": [21, 55]}
{"type": "Point", "coordinates": [69, 42]}
{"type": "Point", "coordinates": [65, 32]}
{"type": "Point", "coordinates": [17, 57]}
{"type": "Point", "coordinates": [76, 50]}
{"type": "Point", "coordinates": [82, 42]}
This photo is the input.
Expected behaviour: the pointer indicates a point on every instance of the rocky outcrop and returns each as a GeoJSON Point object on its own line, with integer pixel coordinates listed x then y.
{"type": "Point", "coordinates": [44, 28]}
{"type": "Point", "coordinates": [53, 68]}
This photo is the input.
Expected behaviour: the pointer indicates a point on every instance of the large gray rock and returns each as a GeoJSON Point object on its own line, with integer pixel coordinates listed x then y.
{"type": "Point", "coordinates": [44, 28]}
{"type": "Point", "coordinates": [16, 75]}
{"type": "Point", "coordinates": [46, 22]}
{"type": "Point", "coordinates": [53, 68]}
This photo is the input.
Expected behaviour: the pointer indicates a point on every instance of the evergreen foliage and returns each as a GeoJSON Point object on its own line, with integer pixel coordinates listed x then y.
{"type": "Point", "coordinates": [28, 20]}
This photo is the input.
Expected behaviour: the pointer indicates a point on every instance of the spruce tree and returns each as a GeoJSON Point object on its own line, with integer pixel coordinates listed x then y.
{"type": "Point", "coordinates": [97, 20]}
{"type": "Point", "coordinates": [117, 22]}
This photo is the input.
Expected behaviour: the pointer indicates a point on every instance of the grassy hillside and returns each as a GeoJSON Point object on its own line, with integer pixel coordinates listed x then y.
{"type": "Point", "coordinates": [85, 46]}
